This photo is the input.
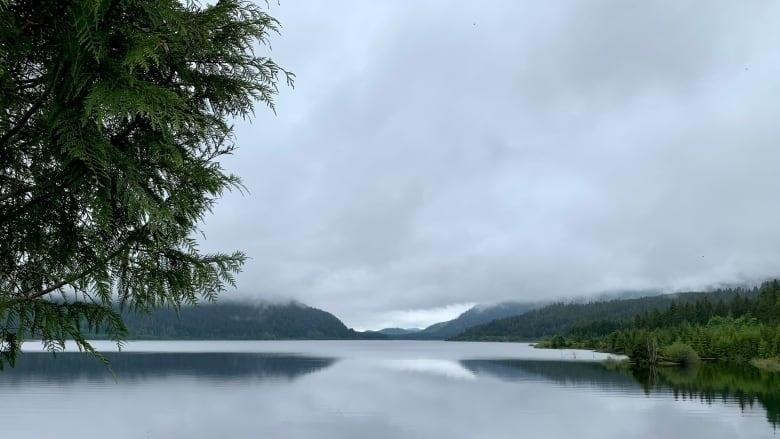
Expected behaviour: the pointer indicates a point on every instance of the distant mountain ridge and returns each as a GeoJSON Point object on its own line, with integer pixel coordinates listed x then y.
{"type": "Point", "coordinates": [239, 321]}
{"type": "Point", "coordinates": [481, 314]}
{"type": "Point", "coordinates": [474, 316]}
{"type": "Point", "coordinates": [296, 321]}
{"type": "Point", "coordinates": [398, 331]}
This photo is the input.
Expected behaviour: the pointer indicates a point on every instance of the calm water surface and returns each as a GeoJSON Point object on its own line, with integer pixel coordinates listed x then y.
{"type": "Point", "coordinates": [375, 389]}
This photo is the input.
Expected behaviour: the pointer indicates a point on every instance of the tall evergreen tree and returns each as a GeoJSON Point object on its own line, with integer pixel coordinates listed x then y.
{"type": "Point", "coordinates": [114, 115]}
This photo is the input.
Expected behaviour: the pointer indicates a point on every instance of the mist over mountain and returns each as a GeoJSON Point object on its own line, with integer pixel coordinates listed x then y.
{"type": "Point", "coordinates": [399, 331]}
{"type": "Point", "coordinates": [234, 320]}
{"type": "Point", "coordinates": [474, 316]}
{"type": "Point", "coordinates": [485, 313]}
{"type": "Point", "coordinates": [293, 320]}
{"type": "Point", "coordinates": [559, 317]}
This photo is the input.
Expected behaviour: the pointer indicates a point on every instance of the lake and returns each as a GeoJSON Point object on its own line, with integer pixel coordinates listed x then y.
{"type": "Point", "coordinates": [374, 389]}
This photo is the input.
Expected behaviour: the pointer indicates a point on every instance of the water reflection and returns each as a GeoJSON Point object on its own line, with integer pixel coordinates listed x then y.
{"type": "Point", "coordinates": [709, 383]}
{"type": "Point", "coordinates": [383, 391]}
{"type": "Point", "coordinates": [444, 368]}
{"type": "Point", "coordinates": [714, 383]}
{"type": "Point", "coordinates": [71, 366]}
{"type": "Point", "coordinates": [579, 374]}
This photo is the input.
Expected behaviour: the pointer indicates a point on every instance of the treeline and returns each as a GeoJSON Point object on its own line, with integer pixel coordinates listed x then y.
{"type": "Point", "coordinates": [740, 329]}
{"type": "Point", "coordinates": [601, 317]}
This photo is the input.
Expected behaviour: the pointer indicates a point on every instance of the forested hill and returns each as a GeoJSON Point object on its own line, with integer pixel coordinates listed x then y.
{"type": "Point", "coordinates": [238, 321]}
{"type": "Point", "coordinates": [559, 318]}
{"type": "Point", "coordinates": [738, 330]}
{"type": "Point", "coordinates": [481, 314]}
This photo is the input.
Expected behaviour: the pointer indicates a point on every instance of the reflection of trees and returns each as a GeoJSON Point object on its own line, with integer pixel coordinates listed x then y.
{"type": "Point", "coordinates": [711, 382]}
{"type": "Point", "coordinates": [708, 382]}
{"type": "Point", "coordinates": [560, 372]}
{"type": "Point", "coordinates": [133, 366]}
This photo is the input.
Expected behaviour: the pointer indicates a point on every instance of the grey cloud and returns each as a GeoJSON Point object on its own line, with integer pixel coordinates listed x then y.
{"type": "Point", "coordinates": [438, 152]}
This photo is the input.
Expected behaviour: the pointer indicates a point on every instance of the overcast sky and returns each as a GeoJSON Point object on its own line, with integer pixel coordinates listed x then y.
{"type": "Point", "coordinates": [436, 154]}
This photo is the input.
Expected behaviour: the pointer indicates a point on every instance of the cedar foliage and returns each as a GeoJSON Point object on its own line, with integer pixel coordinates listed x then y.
{"type": "Point", "coordinates": [113, 117]}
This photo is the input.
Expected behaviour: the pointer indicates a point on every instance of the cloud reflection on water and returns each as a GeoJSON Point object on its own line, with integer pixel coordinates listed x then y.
{"type": "Point", "coordinates": [426, 390]}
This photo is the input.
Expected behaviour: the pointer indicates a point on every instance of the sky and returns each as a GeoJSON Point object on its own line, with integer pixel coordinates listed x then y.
{"type": "Point", "coordinates": [437, 154]}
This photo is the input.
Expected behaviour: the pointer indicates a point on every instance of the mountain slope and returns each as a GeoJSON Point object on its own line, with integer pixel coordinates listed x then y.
{"type": "Point", "coordinates": [268, 321]}
{"type": "Point", "coordinates": [398, 331]}
{"type": "Point", "coordinates": [560, 317]}
{"type": "Point", "coordinates": [474, 316]}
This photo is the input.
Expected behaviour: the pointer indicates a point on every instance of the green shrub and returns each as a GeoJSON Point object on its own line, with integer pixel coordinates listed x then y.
{"type": "Point", "coordinates": [558, 342]}
{"type": "Point", "coordinates": [680, 353]}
